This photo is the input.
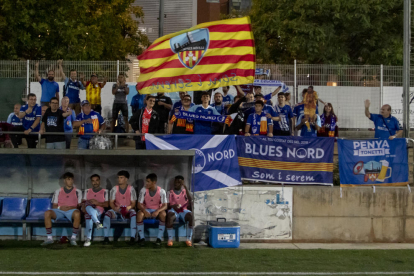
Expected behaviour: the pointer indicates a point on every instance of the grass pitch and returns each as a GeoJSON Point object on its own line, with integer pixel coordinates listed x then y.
{"type": "Point", "coordinates": [19, 256]}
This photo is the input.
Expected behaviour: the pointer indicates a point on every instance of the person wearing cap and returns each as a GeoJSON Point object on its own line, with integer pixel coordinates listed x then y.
{"type": "Point", "coordinates": [177, 105]}
{"type": "Point", "coordinates": [182, 126]}
{"type": "Point", "coordinates": [88, 121]}
{"type": "Point", "coordinates": [93, 92]}
{"type": "Point", "coordinates": [257, 122]}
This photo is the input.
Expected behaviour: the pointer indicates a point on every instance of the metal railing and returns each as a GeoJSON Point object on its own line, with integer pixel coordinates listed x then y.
{"type": "Point", "coordinates": [41, 135]}
{"type": "Point", "coordinates": [303, 74]}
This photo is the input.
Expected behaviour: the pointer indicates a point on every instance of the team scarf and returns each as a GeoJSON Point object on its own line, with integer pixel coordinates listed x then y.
{"type": "Point", "coordinates": [180, 114]}
{"type": "Point", "coordinates": [187, 123]}
{"type": "Point", "coordinates": [263, 123]}
{"type": "Point", "coordinates": [332, 125]}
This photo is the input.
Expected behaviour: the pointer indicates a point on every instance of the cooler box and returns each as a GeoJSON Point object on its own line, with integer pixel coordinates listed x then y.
{"type": "Point", "coordinates": [223, 234]}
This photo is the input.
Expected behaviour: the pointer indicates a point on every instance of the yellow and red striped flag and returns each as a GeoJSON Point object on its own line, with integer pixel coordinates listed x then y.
{"type": "Point", "coordinates": [209, 55]}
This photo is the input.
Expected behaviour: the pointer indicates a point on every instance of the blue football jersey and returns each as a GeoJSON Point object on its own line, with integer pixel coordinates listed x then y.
{"type": "Point", "coordinates": [203, 127]}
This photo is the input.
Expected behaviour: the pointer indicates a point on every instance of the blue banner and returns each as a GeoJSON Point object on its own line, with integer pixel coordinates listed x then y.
{"type": "Point", "coordinates": [216, 164]}
{"type": "Point", "coordinates": [288, 160]}
{"type": "Point", "coordinates": [182, 114]}
{"type": "Point", "coordinates": [373, 162]}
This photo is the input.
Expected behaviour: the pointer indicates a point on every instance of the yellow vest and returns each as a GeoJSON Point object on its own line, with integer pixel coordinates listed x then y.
{"type": "Point", "coordinates": [93, 93]}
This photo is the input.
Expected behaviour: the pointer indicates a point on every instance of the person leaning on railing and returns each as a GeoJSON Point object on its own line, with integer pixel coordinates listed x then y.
{"type": "Point", "coordinates": [5, 140]}
{"type": "Point", "coordinates": [182, 126]}
{"type": "Point", "coordinates": [88, 121]}
{"type": "Point", "coordinates": [53, 121]}
{"type": "Point", "coordinates": [31, 113]}
{"type": "Point", "coordinates": [17, 124]}
{"type": "Point", "coordinates": [386, 126]}
{"type": "Point", "coordinates": [144, 121]}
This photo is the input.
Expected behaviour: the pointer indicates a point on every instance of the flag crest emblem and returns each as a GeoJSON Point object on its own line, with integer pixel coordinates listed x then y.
{"type": "Point", "coordinates": [191, 46]}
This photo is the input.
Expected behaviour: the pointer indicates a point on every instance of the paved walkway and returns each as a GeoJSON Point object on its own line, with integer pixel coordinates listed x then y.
{"type": "Point", "coordinates": [329, 246]}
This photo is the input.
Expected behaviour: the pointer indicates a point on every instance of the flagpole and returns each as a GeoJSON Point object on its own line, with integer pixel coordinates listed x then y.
{"type": "Point", "coordinates": [161, 17]}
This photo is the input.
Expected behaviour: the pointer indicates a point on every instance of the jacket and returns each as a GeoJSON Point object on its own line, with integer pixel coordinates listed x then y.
{"type": "Point", "coordinates": [136, 122]}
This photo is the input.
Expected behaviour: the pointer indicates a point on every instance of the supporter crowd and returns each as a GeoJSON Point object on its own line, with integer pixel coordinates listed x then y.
{"type": "Point", "coordinates": [249, 113]}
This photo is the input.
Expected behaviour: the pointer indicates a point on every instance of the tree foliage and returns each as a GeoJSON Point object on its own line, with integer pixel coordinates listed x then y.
{"type": "Point", "coordinates": [70, 30]}
{"type": "Point", "coordinates": [329, 31]}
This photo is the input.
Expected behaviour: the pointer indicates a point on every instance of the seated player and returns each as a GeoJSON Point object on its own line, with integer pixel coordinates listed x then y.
{"type": "Point", "coordinates": [179, 201]}
{"type": "Point", "coordinates": [122, 201]}
{"type": "Point", "coordinates": [95, 200]}
{"type": "Point", "coordinates": [152, 203]}
{"type": "Point", "coordinates": [65, 204]}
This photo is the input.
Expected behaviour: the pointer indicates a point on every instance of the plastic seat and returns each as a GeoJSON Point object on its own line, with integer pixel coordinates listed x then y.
{"type": "Point", "coordinates": [14, 208]}
{"type": "Point", "coordinates": [151, 221]}
{"type": "Point", "coordinates": [38, 207]}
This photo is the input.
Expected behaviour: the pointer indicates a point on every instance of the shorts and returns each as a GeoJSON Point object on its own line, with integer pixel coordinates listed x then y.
{"type": "Point", "coordinates": [119, 216]}
{"type": "Point", "coordinates": [116, 107]}
{"type": "Point", "coordinates": [63, 214]}
{"type": "Point", "coordinates": [180, 215]}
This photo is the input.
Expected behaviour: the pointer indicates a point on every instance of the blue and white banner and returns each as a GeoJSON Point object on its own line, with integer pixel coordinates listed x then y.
{"type": "Point", "coordinates": [182, 114]}
{"type": "Point", "coordinates": [271, 84]}
{"type": "Point", "coordinates": [216, 164]}
{"type": "Point", "coordinates": [373, 162]}
{"type": "Point", "coordinates": [287, 160]}
{"type": "Point", "coordinates": [261, 71]}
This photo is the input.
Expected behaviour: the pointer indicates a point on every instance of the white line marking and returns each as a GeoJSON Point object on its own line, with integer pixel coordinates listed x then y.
{"type": "Point", "coordinates": [208, 273]}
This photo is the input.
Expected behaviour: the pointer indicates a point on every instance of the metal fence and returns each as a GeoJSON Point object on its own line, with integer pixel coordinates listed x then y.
{"type": "Point", "coordinates": [345, 86]}
{"type": "Point", "coordinates": [104, 69]}
{"type": "Point", "coordinates": [303, 74]}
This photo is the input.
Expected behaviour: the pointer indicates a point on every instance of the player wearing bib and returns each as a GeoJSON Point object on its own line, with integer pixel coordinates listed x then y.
{"type": "Point", "coordinates": [65, 204]}
{"type": "Point", "coordinates": [152, 203]}
{"type": "Point", "coordinates": [179, 201]}
{"type": "Point", "coordinates": [122, 201]}
{"type": "Point", "coordinates": [95, 200]}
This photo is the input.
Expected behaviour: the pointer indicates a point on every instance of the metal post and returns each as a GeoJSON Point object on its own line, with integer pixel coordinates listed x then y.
{"type": "Point", "coordinates": [116, 141]}
{"type": "Point", "coordinates": [406, 68]}
{"type": "Point", "coordinates": [294, 85]}
{"type": "Point", "coordinates": [382, 86]}
{"type": "Point", "coordinates": [28, 77]}
{"type": "Point", "coordinates": [161, 23]}
{"type": "Point", "coordinates": [117, 68]}
{"type": "Point", "coordinates": [39, 142]}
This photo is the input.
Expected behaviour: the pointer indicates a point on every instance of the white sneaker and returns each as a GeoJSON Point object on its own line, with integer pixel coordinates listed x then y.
{"type": "Point", "coordinates": [87, 243]}
{"type": "Point", "coordinates": [98, 226]}
{"type": "Point", "coordinates": [47, 242]}
{"type": "Point", "coordinates": [73, 242]}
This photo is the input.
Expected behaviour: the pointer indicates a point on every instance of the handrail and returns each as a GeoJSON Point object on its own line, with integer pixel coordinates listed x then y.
{"type": "Point", "coordinates": [74, 133]}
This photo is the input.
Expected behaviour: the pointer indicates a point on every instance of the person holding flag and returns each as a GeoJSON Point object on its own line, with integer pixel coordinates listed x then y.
{"type": "Point", "coordinates": [192, 60]}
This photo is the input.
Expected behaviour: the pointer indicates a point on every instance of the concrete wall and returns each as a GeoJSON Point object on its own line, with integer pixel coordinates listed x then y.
{"type": "Point", "coordinates": [321, 215]}
{"type": "Point", "coordinates": [263, 213]}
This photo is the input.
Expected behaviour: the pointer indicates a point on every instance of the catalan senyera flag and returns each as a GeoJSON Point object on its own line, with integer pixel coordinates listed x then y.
{"type": "Point", "coordinates": [209, 55]}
